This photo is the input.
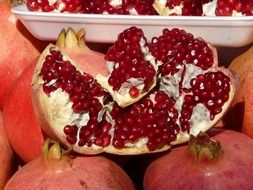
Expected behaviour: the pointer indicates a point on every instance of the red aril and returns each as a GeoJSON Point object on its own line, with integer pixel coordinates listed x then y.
{"type": "Point", "coordinates": [57, 170]}
{"type": "Point", "coordinates": [14, 36]}
{"type": "Point", "coordinates": [190, 93]}
{"type": "Point", "coordinates": [223, 162]}
{"type": "Point", "coordinates": [6, 158]}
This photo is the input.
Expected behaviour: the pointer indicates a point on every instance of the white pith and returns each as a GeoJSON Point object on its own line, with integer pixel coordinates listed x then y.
{"type": "Point", "coordinates": [122, 96]}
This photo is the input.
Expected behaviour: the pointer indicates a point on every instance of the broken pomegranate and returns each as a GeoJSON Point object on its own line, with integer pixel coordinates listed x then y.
{"type": "Point", "coordinates": [22, 125]}
{"type": "Point", "coordinates": [57, 170]}
{"type": "Point", "coordinates": [190, 94]}
{"type": "Point", "coordinates": [204, 7]}
{"type": "Point", "coordinates": [132, 68]}
{"type": "Point", "coordinates": [223, 161]}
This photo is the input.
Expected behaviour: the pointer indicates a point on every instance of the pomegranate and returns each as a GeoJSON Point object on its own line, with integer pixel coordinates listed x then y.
{"type": "Point", "coordinates": [17, 38]}
{"type": "Point", "coordinates": [55, 169]}
{"type": "Point", "coordinates": [190, 94]}
{"type": "Point", "coordinates": [22, 125]}
{"type": "Point", "coordinates": [204, 7]}
{"type": "Point", "coordinates": [6, 156]}
{"type": "Point", "coordinates": [240, 115]}
{"type": "Point", "coordinates": [223, 162]}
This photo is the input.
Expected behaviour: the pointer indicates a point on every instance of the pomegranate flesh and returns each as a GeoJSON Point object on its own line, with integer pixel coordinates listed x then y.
{"type": "Point", "coordinates": [55, 169]}
{"type": "Point", "coordinates": [216, 163]}
{"type": "Point", "coordinates": [190, 94]}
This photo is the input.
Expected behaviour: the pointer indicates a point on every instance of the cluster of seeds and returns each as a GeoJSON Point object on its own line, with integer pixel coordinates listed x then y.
{"type": "Point", "coordinates": [153, 117]}
{"type": "Point", "coordinates": [128, 60]}
{"type": "Point", "coordinates": [175, 48]}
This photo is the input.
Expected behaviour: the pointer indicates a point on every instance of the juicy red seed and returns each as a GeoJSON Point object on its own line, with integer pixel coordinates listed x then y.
{"type": "Point", "coordinates": [72, 139]}
{"type": "Point", "coordinates": [134, 92]}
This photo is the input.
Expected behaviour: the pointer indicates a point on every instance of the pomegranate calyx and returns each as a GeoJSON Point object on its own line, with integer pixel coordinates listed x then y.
{"type": "Point", "coordinates": [53, 156]}
{"type": "Point", "coordinates": [203, 148]}
{"type": "Point", "coordinates": [71, 40]}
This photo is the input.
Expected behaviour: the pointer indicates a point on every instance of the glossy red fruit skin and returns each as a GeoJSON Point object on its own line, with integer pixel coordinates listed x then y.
{"type": "Point", "coordinates": [171, 169]}
{"type": "Point", "coordinates": [82, 173]}
{"type": "Point", "coordinates": [6, 158]}
{"type": "Point", "coordinates": [21, 123]}
{"type": "Point", "coordinates": [14, 38]}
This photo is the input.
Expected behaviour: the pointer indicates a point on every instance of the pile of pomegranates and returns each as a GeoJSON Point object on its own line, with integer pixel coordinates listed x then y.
{"type": "Point", "coordinates": [139, 115]}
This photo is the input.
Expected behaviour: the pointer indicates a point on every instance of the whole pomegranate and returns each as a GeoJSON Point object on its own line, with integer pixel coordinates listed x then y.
{"type": "Point", "coordinates": [239, 116]}
{"type": "Point", "coordinates": [204, 7]}
{"type": "Point", "coordinates": [21, 123]}
{"type": "Point", "coordinates": [16, 39]}
{"type": "Point", "coordinates": [223, 162]}
{"type": "Point", "coordinates": [6, 156]}
{"type": "Point", "coordinates": [56, 170]}
{"type": "Point", "coordinates": [181, 88]}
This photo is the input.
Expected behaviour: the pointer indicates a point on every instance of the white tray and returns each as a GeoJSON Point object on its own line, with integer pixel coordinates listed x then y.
{"type": "Point", "coordinates": [220, 31]}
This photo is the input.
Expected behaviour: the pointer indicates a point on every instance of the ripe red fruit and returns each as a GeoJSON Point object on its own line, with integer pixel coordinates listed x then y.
{"type": "Point", "coordinates": [239, 116]}
{"type": "Point", "coordinates": [216, 163]}
{"type": "Point", "coordinates": [6, 157]}
{"type": "Point", "coordinates": [14, 37]}
{"type": "Point", "coordinates": [57, 170]}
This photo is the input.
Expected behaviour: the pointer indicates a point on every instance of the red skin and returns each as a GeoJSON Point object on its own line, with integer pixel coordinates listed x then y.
{"type": "Point", "coordinates": [21, 123]}
{"type": "Point", "coordinates": [6, 155]}
{"type": "Point", "coordinates": [241, 112]}
{"type": "Point", "coordinates": [84, 173]}
{"type": "Point", "coordinates": [14, 37]}
{"type": "Point", "coordinates": [178, 170]}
